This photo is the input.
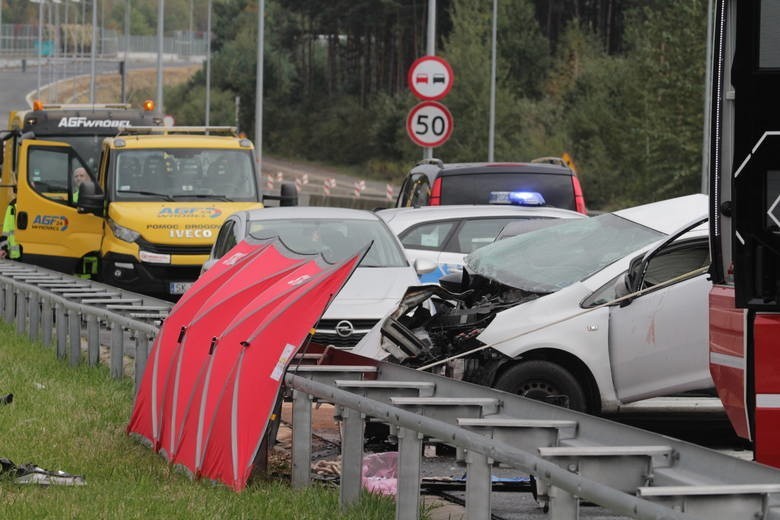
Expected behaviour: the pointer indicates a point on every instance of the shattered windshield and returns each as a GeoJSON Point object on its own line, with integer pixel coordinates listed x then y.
{"type": "Point", "coordinates": [552, 258]}
{"type": "Point", "coordinates": [186, 173]}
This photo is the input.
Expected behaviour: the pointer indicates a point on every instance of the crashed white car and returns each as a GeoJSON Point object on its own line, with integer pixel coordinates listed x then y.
{"type": "Point", "coordinates": [590, 314]}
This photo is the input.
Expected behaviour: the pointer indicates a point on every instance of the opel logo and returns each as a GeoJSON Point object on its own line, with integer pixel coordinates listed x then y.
{"type": "Point", "coordinates": [344, 328]}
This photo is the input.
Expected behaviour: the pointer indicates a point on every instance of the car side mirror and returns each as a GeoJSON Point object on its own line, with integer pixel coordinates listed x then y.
{"type": "Point", "coordinates": [622, 289]}
{"type": "Point", "coordinates": [91, 200]}
{"type": "Point", "coordinates": [207, 265]}
{"type": "Point", "coordinates": [424, 266]}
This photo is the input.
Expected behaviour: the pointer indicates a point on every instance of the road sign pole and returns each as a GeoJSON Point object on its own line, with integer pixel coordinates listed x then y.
{"type": "Point", "coordinates": [431, 50]}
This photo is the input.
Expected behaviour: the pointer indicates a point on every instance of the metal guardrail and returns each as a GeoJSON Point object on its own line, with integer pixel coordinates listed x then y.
{"type": "Point", "coordinates": [573, 456]}
{"type": "Point", "coordinates": [55, 308]}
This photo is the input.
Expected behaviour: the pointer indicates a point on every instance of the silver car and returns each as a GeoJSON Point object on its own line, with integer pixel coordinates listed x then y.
{"type": "Point", "coordinates": [374, 289]}
{"type": "Point", "coordinates": [446, 234]}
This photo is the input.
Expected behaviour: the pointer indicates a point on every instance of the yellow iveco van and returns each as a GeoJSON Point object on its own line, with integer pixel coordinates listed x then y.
{"type": "Point", "coordinates": [83, 126]}
{"type": "Point", "coordinates": [147, 219]}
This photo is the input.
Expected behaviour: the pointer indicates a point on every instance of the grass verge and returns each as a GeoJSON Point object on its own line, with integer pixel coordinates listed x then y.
{"type": "Point", "coordinates": [73, 419]}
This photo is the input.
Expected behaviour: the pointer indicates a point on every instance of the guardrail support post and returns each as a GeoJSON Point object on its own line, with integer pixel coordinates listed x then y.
{"type": "Point", "coordinates": [407, 504]}
{"type": "Point", "coordinates": [351, 458]}
{"type": "Point", "coordinates": [301, 446]}
{"type": "Point", "coordinates": [478, 486]}
{"type": "Point", "coordinates": [35, 316]}
{"type": "Point", "coordinates": [9, 303]}
{"type": "Point", "coordinates": [563, 505]}
{"type": "Point", "coordinates": [74, 326]}
{"type": "Point", "coordinates": [46, 321]}
{"type": "Point", "coordinates": [21, 311]}
{"type": "Point", "coordinates": [117, 351]}
{"type": "Point", "coordinates": [61, 319]}
{"type": "Point", "coordinates": [93, 340]}
{"type": "Point", "coordinates": [141, 351]}
{"type": "Point", "coordinates": [4, 288]}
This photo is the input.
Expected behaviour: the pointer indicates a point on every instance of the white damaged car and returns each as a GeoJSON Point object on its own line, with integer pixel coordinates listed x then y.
{"type": "Point", "coordinates": [590, 314]}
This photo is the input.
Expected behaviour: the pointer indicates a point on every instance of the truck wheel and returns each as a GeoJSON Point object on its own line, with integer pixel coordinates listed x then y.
{"type": "Point", "coordinates": [543, 381]}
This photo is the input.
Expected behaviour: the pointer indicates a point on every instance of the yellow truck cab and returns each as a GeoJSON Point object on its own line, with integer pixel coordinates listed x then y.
{"type": "Point", "coordinates": [145, 220]}
{"type": "Point", "coordinates": [83, 126]}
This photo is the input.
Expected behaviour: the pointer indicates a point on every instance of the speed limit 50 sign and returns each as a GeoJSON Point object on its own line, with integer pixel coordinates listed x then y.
{"type": "Point", "coordinates": [429, 124]}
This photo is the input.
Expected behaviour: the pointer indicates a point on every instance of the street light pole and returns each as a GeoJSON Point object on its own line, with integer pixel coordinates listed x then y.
{"type": "Point", "coordinates": [93, 53]}
{"type": "Point", "coordinates": [259, 88]}
{"type": "Point", "coordinates": [160, 27]}
{"type": "Point", "coordinates": [127, 50]}
{"type": "Point", "coordinates": [208, 63]}
{"type": "Point", "coordinates": [40, 47]}
{"type": "Point", "coordinates": [492, 124]}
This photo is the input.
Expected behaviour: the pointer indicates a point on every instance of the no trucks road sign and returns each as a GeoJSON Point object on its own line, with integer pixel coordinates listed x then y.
{"type": "Point", "coordinates": [429, 124]}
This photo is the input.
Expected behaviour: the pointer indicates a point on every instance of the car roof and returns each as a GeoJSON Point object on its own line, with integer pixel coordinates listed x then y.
{"type": "Point", "coordinates": [434, 169]}
{"type": "Point", "coordinates": [401, 218]}
{"type": "Point", "coordinates": [309, 212]}
{"type": "Point", "coordinates": [667, 216]}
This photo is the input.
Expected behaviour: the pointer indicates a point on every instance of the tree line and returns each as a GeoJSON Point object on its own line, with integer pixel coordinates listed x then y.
{"type": "Point", "coordinates": [617, 84]}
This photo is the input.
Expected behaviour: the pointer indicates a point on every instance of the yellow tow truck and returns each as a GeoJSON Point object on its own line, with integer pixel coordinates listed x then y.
{"type": "Point", "coordinates": [146, 217]}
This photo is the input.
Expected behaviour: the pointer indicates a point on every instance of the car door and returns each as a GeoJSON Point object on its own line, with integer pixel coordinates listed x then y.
{"type": "Point", "coordinates": [658, 340]}
{"type": "Point", "coordinates": [426, 241]}
{"type": "Point", "coordinates": [49, 227]}
{"type": "Point", "coordinates": [470, 235]}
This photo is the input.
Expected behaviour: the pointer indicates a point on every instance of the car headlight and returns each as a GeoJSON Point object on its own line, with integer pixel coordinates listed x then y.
{"type": "Point", "coordinates": [123, 233]}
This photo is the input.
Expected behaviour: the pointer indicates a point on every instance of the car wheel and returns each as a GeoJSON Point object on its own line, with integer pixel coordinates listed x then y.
{"type": "Point", "coordinates": [543, 381]}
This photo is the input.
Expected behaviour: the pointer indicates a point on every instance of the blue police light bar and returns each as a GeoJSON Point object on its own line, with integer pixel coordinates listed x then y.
{"type": "Point", "coordinates": [517, 198]}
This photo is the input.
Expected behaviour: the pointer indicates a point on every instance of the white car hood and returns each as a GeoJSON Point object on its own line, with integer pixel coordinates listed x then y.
{"type": "Point", "coordinates": [371, 293]}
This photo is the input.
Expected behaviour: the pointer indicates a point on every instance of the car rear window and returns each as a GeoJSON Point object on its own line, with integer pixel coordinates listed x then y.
{"type": "Point", "coordinates": [557, 190]}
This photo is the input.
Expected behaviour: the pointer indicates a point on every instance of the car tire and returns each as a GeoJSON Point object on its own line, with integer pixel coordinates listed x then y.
{"type": "Point", "coordinates": [543, 381]}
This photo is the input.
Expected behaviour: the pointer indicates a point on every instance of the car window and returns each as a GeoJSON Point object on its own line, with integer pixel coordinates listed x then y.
{"type": "Point", "coordinates": [548, 259]}
{"type": "Point", "coordinates": [676, 260]}
{"type": "Point", "coordinates": [226, 239]}
{"type": "Point", "coordinates": [557, 189]}
{"type": "Point", "coordinates": [430, 236]}
{"type": "Point", "coordinates": [185, 173]}
{"type": "Point", "coordinates": [604, 294]}
{"type": "Point", "coordinates": [336, 240]}
{"type": "Point", "coordinates": [524, 225]}
{"type": "Point", "coordinates": [476, 233]}
{"type": "Point", "coordinates": [415, 191]}
{"type": "Point", "coordinates": [51, 173]}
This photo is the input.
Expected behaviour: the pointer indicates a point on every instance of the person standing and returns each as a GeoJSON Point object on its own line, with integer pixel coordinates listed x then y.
{"type": "Point", "coordinates": [9, 248]}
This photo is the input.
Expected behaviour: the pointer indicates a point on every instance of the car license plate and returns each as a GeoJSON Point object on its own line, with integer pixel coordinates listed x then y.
{"type": "Point", "coordinates": [179, 287]}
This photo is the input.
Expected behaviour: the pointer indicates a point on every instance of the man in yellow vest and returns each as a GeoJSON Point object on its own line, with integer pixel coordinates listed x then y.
{"type": "Point", "coordinates": [80, 176]}
{"type": "Point", "coordinates": [8, 246]}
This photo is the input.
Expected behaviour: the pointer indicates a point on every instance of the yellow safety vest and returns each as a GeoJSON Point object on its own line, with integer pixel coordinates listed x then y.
{"type": "Point", "coordinates": [9, 226]}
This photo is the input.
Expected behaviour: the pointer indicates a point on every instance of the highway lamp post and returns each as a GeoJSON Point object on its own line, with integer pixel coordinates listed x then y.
{"type": "Point", "coordinates": [160, 27]}
{"type": "Point", "coordinates": [259, 88]}
{"type": "Point", "coordinates": [127, 50]}
{"type": "Point", "coordinates": [189, 38]}
{"type": "Point", "coordinates": [208, 63]}
{"type": "Point", "coordinates": [40, 45]}
{"type": "Point", "coordinates": [492, 123]}
{"type": "Point", "coordinates": [55, 54]}
{"type": "Point", "coordinates": [93, 53]}
{"type": "Point", "coordinates": [81, 27]}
